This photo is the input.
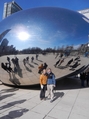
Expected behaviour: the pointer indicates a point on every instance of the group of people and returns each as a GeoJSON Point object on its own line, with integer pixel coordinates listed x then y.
{"type": "Point", "coordinates": [47, 82]}
{"type": "Point", "coordinates": [42, 67]}
{"type": "Point", "coordinates": [32, 58]}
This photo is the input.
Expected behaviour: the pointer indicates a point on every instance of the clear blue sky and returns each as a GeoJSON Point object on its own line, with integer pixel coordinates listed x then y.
{"type": "Point", "coordinates": [69, 4]}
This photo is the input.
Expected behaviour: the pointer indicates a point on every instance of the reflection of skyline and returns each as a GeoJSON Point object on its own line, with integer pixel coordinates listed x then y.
{"type": "Point", "coordinates": [3, 34]}
{"type": "Point", "coordinates": [46, 29]}
{"type": "Point", "coordinates": [4, 47]}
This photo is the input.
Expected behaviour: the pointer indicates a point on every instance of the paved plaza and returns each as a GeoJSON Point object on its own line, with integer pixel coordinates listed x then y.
{"type": "Point", "coordinates": [71, 102]}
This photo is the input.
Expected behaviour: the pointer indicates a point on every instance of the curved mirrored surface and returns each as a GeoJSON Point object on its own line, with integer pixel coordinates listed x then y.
{"type": "Point", "coordinates": [48, 36]}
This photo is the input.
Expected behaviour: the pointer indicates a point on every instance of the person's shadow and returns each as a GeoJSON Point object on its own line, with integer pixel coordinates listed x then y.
{"type": "Point", "coordinates": [57, 95]}
{"type": "Point", "coordinates": [39, 60]}
{"type": "Point", "coordinates": [5, 96]}
{"type": "Point", "coordinates": [28, 69]}
{"type": "Point", "coordinates": [14, 114]}
{"type": "Point", "coordinates": [9, 90]}
{"type": "Point", "coordinates": [8, 105]}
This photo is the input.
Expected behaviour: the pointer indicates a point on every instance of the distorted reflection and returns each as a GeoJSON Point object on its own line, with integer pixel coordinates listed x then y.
{"type": "Point", "coordinates": [38, 38]}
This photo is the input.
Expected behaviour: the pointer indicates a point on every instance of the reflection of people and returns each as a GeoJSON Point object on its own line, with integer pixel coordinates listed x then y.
{"type": "Point", "coordinates": [27, 59]}
{"type": "Point", "coordinates": [8, 59]}
{"type": "Point", "coordinates": [43, 84]}
{"type": "Point", "coordinates": [61, 61]}
{"type": "Point", "coordinates": [37, 56]}
{"type": "Point", "coordinates": [32, 59]}
{"type": "Point", "coordinates": [77, 58]}
{"type": "Point", "coordinates": [40, 68]}
{"type": "Point", "coordinates": [24, 62]}
{"type": "Point", "coordinates": [16, 61]}
{"type": "Point", "coordinates": [45, 65]}
{"type": "Point", "coordinates": [69, 62]}
{"type": "Point", "coordinates": [6, 67]}
{"type": "Point", "coordinates": [61, 55]}
{"type": "Point", "coordinates": [57, 63]}
{"type": "Point", "coordinates": [50, 84]}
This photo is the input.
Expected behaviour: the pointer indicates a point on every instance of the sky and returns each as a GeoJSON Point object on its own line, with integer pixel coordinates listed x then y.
{"type": "Point", "coordinates": [69, 4]}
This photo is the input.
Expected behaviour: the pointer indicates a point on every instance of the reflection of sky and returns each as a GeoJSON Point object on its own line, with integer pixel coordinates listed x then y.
{"type": "Point", "coordinates": [46, 28]}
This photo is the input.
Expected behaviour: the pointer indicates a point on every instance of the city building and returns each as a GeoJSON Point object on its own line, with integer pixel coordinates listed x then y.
{"type": "Point", "coordinates": [10, 8]}
{"type": "Point", "coordinates": [85, 12]}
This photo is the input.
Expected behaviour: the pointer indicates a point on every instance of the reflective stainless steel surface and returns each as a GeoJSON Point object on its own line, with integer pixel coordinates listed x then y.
{"type": "Point", "coordinates": [47, 33]}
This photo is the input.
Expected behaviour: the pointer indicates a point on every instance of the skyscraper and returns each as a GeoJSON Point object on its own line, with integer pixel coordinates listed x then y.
{"type": "Point", "coordinates": [10, 8]}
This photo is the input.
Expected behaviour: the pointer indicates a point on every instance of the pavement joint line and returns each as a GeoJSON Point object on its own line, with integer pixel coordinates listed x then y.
{"type": "Point", "coordinates": [33, 107]}
{"type": "Point", "coordinates": [32, 97]}
{"type": "Point", "coordinates": [29, 100]}
{"type": "Point", "coordinates": [54, 106]}
{"type": "Point", "coordinates": [36, 105]}
{"type": "Point", "coordinates": [8, 116]}
{"type": "Point", "coordinates": [74, 103]}
{"type": "Point", "coordinates": [6, 110]}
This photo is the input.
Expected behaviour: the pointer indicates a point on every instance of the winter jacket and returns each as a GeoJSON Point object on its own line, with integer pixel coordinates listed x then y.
{"type": "Point", "coordinates": [43, 79]}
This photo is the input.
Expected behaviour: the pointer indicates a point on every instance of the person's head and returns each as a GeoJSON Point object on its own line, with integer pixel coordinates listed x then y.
{"type": "Point", "coordinates": [44, 71]}
{"type": "Point", "coordinates": [49, 71]}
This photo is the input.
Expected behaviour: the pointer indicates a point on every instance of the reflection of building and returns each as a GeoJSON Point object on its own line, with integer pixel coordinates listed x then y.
{"type": "Point", "coordinates": [10, 8]}
{"type": "Point", "coordinates": [3, 34]}
{"type": "Point", "coordinates": [85, 12]}
{"type": "Point", "coordinates": [4, 42]}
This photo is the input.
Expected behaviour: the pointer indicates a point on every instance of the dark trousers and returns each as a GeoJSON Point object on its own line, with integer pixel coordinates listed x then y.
{"type": "Point", "coordinates": [42, 92]}
{"type": "Point", "coordinates": [82, 82]}
{"type": "Point", "coordinates": [87, 81]}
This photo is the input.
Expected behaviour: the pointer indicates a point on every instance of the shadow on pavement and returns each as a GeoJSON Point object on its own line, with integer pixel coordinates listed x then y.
{"type": "Point", "coordinates": [8, 105]}
{"type": "Point", "coordinates": [14, 114]}
{"type": "Point", "coordinates": [9, 90]}
{"type": "Point", "coordinates": [5, 96]}
{"type": "Point", "coordinates": [57, 95]}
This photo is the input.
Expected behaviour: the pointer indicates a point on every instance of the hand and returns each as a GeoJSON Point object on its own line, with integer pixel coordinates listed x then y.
{"type": "Point", "coordinates": [41, 86]}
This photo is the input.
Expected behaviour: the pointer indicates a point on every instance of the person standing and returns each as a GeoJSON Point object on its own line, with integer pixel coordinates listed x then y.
{"type": "Point", "coordinates": [87, 78]}
{"type": "Point", "coordinates": [50, 84]}
{"type": "Point", "coordinates": [82, 78]}
{"type": "Point", "coordinates": [43, 84]}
